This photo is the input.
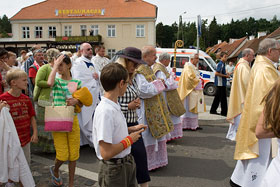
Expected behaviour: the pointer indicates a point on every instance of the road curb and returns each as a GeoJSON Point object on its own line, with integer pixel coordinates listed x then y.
{"type": "Point", "coordinates": [213, 122]}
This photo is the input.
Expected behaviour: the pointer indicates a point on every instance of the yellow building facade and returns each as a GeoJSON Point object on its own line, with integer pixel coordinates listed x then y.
{"type": "Point", "coordinates": [114, 23]}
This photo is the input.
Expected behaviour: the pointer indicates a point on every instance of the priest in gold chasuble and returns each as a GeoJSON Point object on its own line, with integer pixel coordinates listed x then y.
{"type": "Point", "coordinates": [191, 93]}
{"type": "Point", "coordinates": [254, 155]}
{"type": "Point", "coordinates": [238, 90]}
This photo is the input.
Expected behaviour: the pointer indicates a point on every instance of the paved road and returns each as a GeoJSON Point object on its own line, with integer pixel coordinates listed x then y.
{"type": "Point", "coordinates": [200, 158]}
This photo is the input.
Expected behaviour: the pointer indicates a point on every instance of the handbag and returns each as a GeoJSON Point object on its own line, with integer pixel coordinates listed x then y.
{"type": "Point", "coordinates": [59, 118]}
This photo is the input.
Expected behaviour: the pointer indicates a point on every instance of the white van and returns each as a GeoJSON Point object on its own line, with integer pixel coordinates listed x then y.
{"type": "Point", "coordinates": [206, 66]}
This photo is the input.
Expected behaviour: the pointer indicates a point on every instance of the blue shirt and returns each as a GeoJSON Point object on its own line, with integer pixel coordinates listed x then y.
{"type": "Point", "coordinates": [221, 81]}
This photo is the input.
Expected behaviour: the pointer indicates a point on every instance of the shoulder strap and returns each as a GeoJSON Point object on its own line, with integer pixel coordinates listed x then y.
{"type": "Point", "coordinates": [33, 66]}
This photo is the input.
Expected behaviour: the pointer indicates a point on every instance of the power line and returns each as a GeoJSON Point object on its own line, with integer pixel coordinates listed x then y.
{"type": "Point", "coordinates": [241, 11]}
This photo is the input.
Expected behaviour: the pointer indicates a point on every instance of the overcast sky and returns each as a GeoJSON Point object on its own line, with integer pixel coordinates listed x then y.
{"type": "Point", "coordinates": [169, 10]}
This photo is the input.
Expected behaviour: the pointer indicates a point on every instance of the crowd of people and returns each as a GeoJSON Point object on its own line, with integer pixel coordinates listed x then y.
{"type": "Point", "coordinates": [128, 108]}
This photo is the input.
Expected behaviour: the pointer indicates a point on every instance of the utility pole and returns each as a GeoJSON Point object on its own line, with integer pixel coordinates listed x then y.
{"type": "Point", "coordinates": [180, 21]}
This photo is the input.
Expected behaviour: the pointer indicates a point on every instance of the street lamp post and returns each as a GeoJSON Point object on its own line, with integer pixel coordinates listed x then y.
{"type": "Point", "coordinates": [180, 20]}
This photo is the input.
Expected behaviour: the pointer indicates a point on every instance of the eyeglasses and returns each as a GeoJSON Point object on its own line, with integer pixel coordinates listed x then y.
{"type": "Point", "coordinates": [89, 49]}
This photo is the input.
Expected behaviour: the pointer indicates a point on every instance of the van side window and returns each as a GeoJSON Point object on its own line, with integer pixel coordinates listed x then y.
{"type": "Point", "coordinates": [180, 61]}
{"type": "Point", "coordinates": [202, 65]}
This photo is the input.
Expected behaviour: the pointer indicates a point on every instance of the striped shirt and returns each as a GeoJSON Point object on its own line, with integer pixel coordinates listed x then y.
{"type": "Point", "coordinates": [130, 95]}
{"type": "Point", "coordinates": [60, 90]}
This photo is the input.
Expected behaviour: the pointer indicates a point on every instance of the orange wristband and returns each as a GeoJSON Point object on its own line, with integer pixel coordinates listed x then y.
{"type": "Point", "coordinates": [124, 144]}
{"type": "Point", "coordinates": [130, 139]}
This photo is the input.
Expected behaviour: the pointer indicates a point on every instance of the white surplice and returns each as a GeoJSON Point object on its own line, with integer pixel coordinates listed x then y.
{"type": "Point", "coordinates": [171, 84]}
{"type": "Point", "coordinates": [83, 69]}
{"type": "Point", "coordinates": [155, 148]}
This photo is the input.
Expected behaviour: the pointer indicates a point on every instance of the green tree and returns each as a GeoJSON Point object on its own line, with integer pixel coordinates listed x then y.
{"type": "Point", "coordinates": [5, 24]}
{"type": "Point", "coordinates": [214, 32]}
{"type": "Point", "coordinates": [159, 34]}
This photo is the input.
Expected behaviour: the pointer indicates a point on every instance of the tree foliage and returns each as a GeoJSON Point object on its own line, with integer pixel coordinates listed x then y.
{"type": "Point", "coordinates": [167, 35]}
{"type": "Point", "coordinates": [5, 26]}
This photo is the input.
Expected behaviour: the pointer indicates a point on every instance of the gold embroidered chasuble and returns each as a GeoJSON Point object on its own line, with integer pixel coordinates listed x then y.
{"type": "Point", "coordinates": [173, 100]}
{"type": "Point", "coordinates": [262, 77]}
{"type": "Point", "coordinates": [238, 89]}
{"type": "Point", "coordinates": [187, 83]}
{"type": "Point", "coordinates": [156, 110]}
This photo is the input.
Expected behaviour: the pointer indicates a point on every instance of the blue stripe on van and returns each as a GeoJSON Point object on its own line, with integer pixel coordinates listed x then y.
{"type": "Point", "coordinates": [178, 73]}
{"type": "Point", "coordinates": [206, 76]}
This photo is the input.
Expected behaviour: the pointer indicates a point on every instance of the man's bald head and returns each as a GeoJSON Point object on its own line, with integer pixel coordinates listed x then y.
{"type": "Point", "coordinates": [86, 50]}
{"type": "Point", "coordinates": [149, 55]}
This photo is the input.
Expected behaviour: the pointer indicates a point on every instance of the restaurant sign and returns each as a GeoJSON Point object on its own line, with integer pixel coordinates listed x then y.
{"type": "Point", "coordinates": [79, 12]}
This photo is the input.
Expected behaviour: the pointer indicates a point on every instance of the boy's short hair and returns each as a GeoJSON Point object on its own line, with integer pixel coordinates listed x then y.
{"type": "Point", "coordinates": [14, 74]}
{"type": "Point", "coordinates": [111, 75]}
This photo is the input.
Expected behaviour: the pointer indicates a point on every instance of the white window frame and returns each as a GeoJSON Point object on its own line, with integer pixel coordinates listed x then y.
{"type": "Point", "coordinates": [83, 28]}
{"type": "Point", "coordinates": [95, 29]}
{"type": "Point", "coordinates": [111, 31]}
{"type": "Point", "coordinates": [67, 30]}
{"type": "Point", "coordinates": [140, 31]}
{"type": "Point", "coordinates": [38, 31]}
{"type": "Point", "coordinates": [52, 31]}
{"type": "Point", "coordinates": [111, 52]}
{"type": "Point", "coordinates": [25, 32]}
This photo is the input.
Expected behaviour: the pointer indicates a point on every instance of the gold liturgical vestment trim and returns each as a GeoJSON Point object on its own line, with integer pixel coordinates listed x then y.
{"type": "Point", "coordinates": [174, 102]}
{"type": "Point", "coordinates": [156, 111]}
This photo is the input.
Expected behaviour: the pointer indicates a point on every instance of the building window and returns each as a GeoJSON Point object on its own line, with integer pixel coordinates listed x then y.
{"type": "Point", "coordinates": [94, 30]}
{"type": "Point", "coordinates": [67, 30]}
{"type": "Point", "coordinates": [111, 31]}
{"type": "Point", "coordinates": [25, 32]}
{"type": "Point", "coordinates": [52, 32]}
{"type": "Point", "coordinates": [111, 52]}
{"type": "Point", "coordinates": [39, 32]}
{"type": "Point", "coordinates": [83, 30]}
{"type": "Point", "coordinates": [140, 31]}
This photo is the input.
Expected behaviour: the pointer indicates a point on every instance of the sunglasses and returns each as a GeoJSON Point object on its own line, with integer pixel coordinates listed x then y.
{"type": "Point", "coordinates": [89, 49]}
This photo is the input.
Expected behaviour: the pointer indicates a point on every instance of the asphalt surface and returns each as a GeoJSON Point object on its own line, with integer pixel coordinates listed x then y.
{"type": "Point", "coordinates": [201, 158]}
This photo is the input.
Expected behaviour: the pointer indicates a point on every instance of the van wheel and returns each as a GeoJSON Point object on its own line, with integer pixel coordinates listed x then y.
{"type": "Point", "coordinates": [210, 89]}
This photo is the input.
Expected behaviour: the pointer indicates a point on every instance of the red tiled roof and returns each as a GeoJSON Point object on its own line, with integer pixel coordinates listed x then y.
{"type": "Point", "coordinates": [274, 33]}
{"type": "Point", "coordinates": [217, 46]}
{"type": "Point", "coordinates": [253, 44]}
{"type": "Point", "coordinates": [113, 9]}
{"type": "Point", "coordinates": [230, 48]}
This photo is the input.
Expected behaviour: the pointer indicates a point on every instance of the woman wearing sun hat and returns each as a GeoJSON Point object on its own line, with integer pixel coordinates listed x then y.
{"type": "Point", "coordinates": [130, 58]}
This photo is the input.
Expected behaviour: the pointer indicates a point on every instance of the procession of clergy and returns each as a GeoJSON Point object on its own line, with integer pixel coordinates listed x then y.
{"type": "Point", "coordinates": [166, 108]}
{"type": "Point", "coordinates": [169, 109]}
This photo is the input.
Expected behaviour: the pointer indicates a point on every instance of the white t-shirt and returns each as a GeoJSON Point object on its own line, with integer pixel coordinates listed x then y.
{"type": "Point", "coordinates": [230, 69]}
{"type": "Point", "coordinates": [109, 125]}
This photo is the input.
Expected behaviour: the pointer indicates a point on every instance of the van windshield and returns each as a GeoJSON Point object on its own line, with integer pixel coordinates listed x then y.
{"type": "Point", "coordinates": [211, 62]}
{"type": "Point", "coordinates": [180, 61]}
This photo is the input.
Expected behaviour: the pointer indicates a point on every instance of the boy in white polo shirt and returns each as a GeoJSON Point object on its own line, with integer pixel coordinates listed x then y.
{"type": "Point", "coordinates": [110, 132]}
